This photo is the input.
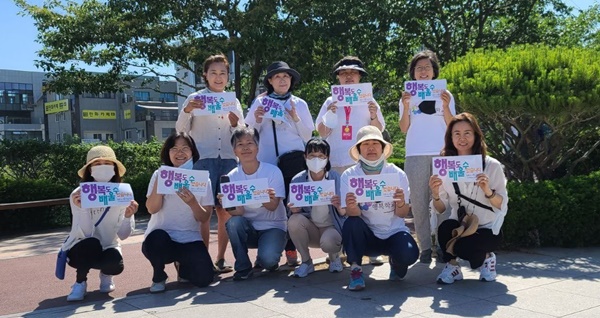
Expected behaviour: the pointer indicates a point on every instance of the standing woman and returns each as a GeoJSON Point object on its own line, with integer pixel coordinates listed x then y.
{"type": "Point", "coordinates": [291, 134]}
{"type": "Point", "coordinates": [424, 140]}
{"type": "Point", "coordinates": [92, 242]}
{"type": "Point", "coordinates": [173, 233]}
{"type": "Point", "coordinates": [487, 199]}
{"type": "Point", "coordinates": [317, 226]}
{"type": "Point", "coordinates": [212, 135]}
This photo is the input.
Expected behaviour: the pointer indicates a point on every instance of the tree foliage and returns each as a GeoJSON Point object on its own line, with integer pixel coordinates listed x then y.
{"type": "Point", "coordinates": [538, 105]}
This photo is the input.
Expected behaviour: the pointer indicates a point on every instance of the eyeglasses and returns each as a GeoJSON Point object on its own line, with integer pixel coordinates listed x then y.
{"type": "Point", "coordinates": [178, 150]}
{"type": "Point", "coordinates": [423, 68]}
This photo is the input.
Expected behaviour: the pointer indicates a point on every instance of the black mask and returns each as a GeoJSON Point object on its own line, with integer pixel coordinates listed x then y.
{"type": "Point", "coordinates": [427, 107]}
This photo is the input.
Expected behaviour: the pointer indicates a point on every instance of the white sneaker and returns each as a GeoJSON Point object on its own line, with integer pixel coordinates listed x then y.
{"type": "Point", "coordinates": [488, 269]}
{"type": "Point", "coordinates": [304, 269]}
{"type": "Point", "coordinates": [335, 265]}
{"type": "Point", "coordinates": [78, 292]}
{"type": "Point", "coordinates": [376, 260]}
{"type": "Point", "coordinates": [106, 283]}
{"type": "Point", "coordinates": [449, 274]}
{"type": "Point", "coordinates": [158, 287]}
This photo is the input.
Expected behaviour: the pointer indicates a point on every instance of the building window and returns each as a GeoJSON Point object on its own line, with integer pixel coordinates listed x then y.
{"type": "Point", "coordinates": [110, 136]}
{"type": "Point", "coordinates": [97, 136]}
{"type": "Point", "coordinates": [127, 134]}
{"type": "Point", "coordinates": [58, 137]}
{"type": "Point", "coordinates": [168, 97]}
{"type": "Point", "coordinates": [166, 132]}
{"type": "Point", "coordinates": [64, 116]}
{"type": "Point", "coordinates": [141, 134]}
{"type": "Point", "coordinates": [56, 117]}
{"type": "Point", "coordinates": [142, 96]}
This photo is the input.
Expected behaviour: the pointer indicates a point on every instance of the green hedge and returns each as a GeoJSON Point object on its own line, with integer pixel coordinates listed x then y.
{"type": "Point", "coordinates": [559, 213]}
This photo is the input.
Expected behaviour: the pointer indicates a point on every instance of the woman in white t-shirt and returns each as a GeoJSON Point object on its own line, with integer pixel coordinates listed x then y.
{"type": "Point", "coordinates": [173, 233]}
{"type": "Point", "coordinates": [424, 128]}
{"type": "Point", "coordinates": [375, 228]}
{"type": "Point", "coordinates": [261, 226]}
{"type": "Point", "coordinates": [92, 242]}
{"type": "Point", "coordinates": [317, 226]}
{"type": "Point", "coordinates": [485, 200]}
{"type": "Point", "coordinates": [339, 126]}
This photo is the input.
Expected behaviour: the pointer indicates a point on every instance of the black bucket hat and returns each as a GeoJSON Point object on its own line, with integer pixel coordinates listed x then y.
{"type": "Point", "coordinates": [280, 67]}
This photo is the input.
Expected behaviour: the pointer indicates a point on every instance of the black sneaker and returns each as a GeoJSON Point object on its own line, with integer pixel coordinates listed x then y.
{"type": "Point", "coordinates": [223, 267]}
{"type": "Point", "coordinates": [242, 275]}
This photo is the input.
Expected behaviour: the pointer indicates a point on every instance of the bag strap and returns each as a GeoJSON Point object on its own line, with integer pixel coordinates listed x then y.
{"type": "Point", "coordinates": [475, 202]}
{"type": "Point", "coordinates": [275, 137]}
{"type": "Point", "coordinates": [102, 216]}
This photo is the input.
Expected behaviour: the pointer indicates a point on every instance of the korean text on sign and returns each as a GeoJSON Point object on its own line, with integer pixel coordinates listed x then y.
{"type": "Point", "coordinates": [104, 194]}
{"type": "Point", "coordinates": [215, 103]}
{"type": "Point", "coordinates": [171, 179]}
{"type": "Point", "coordinates": [352, 95]}
{"type": "Point", "coordinates": [458, 168]}
{"type": "Point", "coordinates": [372, 188]}
{"type": "Point", "coordinates": [274, 109]}
{"type": "Point", "coordinates": [312, 193]}
{"type": "Point", "coordinates": [246, 192]}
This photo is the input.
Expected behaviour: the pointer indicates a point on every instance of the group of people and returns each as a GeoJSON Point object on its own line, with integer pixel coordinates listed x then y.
{"type": "Point", "coordinates": [350, 144]}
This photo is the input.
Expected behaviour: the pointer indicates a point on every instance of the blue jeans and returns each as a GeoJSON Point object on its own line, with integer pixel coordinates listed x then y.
{"type": "Point", "coordinates": [270, 244]}
{"type": "Point", "coordinates": [216, 167]}
{"type": "Point", "coordinates": [359, 240]}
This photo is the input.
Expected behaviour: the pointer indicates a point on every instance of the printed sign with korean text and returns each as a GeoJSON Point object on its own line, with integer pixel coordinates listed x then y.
{"type": "Point", "coordinates": [215, 103]}
{"type": "Point", "coordinates": [104, 194]}
{"type": "Point", "coordinates": [352, 94]}
{"type": "Point", "coordinates": [274, 109]}
{"type": "Point", "coordinates": [246, 192]}
{"type": "Point", "coordinates": [312, 193]}
{"type": "Point", "coordinates": [458, 168]}
{"type": "Point", "coordinates": [171, 179]}
{"type": "Point", "coordinates": [374, 188]}
{"type": "Point", "coordinates": [426, 96]}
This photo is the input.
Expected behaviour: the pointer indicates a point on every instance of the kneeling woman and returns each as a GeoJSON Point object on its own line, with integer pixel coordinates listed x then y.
{"type": "Point", "coordinates": [173, 233]}
{"type": "Point", "coordinates": [260, 226]}
{"type": "Point", "coordinates": [486, 199]}
{"type": "Point", "coordinates": [93, 241]}
{"type": "Point", "coordinates": [317, 226]}
{"type": "Point", "coordinates": [376, 228]}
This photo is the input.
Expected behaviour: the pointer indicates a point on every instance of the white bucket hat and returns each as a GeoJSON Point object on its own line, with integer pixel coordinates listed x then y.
{"type": "Point", "coordinates": [370, 133]}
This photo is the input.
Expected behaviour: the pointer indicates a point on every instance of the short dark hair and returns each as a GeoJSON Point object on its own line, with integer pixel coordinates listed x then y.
{"type": "Point", "coordinates": [479, 146]}
{"type": "Point", "coordinates": [318, 144]}
{"type": "Point", "coordinates": [217, 58]}
{"type": "Point", "coordinates": [240, 132]}
{"type": "Point", "coordinates": [427, 54]}
{"type": "Point", "coordinates": [170, 143]}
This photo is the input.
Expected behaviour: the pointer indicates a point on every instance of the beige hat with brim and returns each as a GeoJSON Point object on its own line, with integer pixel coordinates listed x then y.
{"type": "Point", "coordinates": [370, 133]}
{"type": "Point", "coordinates": [101, 153]}
{"type": "Point", "coordinates": [469, 226]}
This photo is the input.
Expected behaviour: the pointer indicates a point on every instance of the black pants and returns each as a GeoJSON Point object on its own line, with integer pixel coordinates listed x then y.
{"type": "Point", "coordinates": [472, 248]}
{"type": "Point", "coordinates": [88, 254]}
{"type": "Point", "coordinates": [195, 263]}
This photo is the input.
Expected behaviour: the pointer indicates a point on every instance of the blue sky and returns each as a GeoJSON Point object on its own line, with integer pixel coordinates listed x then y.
{"type": "Point", "coordinates": [18, 34]}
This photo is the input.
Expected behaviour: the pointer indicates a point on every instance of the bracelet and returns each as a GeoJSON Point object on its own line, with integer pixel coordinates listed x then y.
{"type": "Point", "coordinates": [491, 195]}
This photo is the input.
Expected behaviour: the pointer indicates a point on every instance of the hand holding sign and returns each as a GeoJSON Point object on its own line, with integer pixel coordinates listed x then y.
{"type": "Point", "coordinates": [426, 97]}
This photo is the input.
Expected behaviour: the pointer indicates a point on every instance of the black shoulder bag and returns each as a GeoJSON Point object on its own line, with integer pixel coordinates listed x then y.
{"type": "Point", "coordinates": [290, 163]}
{"type": "Point", "coordinates": [462, 212]}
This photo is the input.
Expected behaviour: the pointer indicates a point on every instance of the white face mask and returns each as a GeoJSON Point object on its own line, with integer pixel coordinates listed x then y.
{"type": "Point", "coordinates": [372, 163]}
{"type": "Point", "coordinates": [187, 165]}
{"type": "Point", "coordinates": [316, 165]}
{"type": "Point", "coordinates": [103, 173]}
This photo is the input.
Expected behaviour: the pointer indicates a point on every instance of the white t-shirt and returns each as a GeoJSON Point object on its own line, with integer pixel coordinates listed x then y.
{"type": "Point", "coordinates": [357, 118]}
{"type": "Point", "coordinates": [320, 215]}
{"type": "Point", "coordinates": [261, 218]}
{"type": "Point", "coordinates": [290, 135]}
{"type": "Point", "coordinates": [379, 216]}
{"type": "Point", "coordinates": [177, 218]}
{"type": "Point", "coordinates": [426, 132]}
{"type": "Point", "coordinates": [212, 134]}
{"type": "Point", "coordinates": [487, 219]}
